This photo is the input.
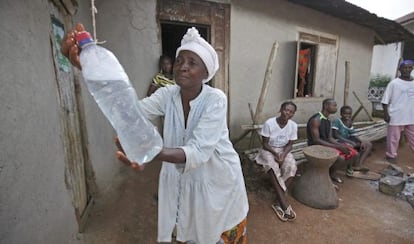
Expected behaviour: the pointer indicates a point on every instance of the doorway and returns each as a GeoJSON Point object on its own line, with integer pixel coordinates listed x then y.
{"type": "Point", "coordinates": [210, 18]}
{"type": "Point", "coordinates": [173, 32]}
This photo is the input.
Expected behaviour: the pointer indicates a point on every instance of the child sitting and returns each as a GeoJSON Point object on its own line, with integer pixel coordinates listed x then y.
{"type": "Point", "coordinates": [342, 130]}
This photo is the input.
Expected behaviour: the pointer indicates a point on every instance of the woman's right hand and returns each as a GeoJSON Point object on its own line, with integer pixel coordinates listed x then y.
{"type": "Point", "coordinates": [70, 47]}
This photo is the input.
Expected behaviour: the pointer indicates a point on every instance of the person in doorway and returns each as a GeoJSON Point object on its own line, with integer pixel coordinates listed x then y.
{"type": "Point", "coordinates": [343, 130]}
{"type": "Point", "coordinates": [164, 77]}
{"type": "Point", "coordinates": [398, 103]}
{"type": "Point", "coordinates": [202, 194]}
{"type": "Point", "coordinates": [278, 134]}
{"type": "Point", "coordinates": [319, 132]}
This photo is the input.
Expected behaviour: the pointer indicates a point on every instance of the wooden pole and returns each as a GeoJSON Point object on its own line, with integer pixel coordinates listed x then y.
{"type": "Point", "coordinates": [266, 82]}
{"type": "Point", "coordinates": [347, 81]}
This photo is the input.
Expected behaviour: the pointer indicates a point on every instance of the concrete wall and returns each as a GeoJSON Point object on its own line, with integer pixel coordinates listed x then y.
{"type": "Point", "coordinates": [34, 201]}
{"type": "Point", "coordinates": [131, 33]}
{"type": "Point", "coordinates": [35, 206]}
{"type": "Point", "coordinates": [269, 21]}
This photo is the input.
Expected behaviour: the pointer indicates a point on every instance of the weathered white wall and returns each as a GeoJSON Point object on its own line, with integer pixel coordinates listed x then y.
{"type": "Point", "coordinates": [385, 59]}
{"type": "Point", "coordinates": [35, 206]}
{"type": "Point", "coordinates": [268, 21]}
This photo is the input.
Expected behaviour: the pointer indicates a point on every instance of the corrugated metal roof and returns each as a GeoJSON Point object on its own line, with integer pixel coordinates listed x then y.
{"type": "Point", "coordinates": [405, 19]}
{"type": "Point", "coordinates": [387, 31]}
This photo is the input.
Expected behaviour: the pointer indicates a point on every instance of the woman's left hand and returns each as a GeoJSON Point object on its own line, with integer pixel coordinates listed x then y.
{"type": "Point", "coordinates": [120, 154]}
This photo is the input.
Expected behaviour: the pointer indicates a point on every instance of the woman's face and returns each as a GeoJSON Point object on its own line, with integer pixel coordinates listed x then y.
{"type": "Point", "coordinates": [189, 70]}
{"type": "Point", "coordinates": [287, 111]}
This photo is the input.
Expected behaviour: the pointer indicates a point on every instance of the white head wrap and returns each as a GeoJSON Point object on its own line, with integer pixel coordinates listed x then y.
{"type": "Point", "coordinates": [192, 41]}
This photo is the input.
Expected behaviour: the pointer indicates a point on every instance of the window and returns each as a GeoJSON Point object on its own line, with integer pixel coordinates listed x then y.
{"type": "Point", "coordinates": [316, 65]}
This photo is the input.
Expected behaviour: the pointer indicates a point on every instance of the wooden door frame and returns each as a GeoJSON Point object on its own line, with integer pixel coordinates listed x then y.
{"type": "Point", "coordinates": [79, 174]}
{"type": "Point", "coordinates": [212, 14]}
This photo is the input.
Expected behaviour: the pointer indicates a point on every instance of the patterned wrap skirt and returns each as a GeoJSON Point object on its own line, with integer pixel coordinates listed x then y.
{"type": "Point", "coordinates": [287, 170]}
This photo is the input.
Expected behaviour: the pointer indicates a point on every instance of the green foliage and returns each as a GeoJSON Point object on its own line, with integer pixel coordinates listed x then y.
{"type": "Point", "coordinates": [379, 80]}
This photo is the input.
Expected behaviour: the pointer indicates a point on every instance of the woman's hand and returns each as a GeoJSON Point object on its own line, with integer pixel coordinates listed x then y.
{"type": "Point", "coordinates": [70, 47]}
{"type": "Point", "coordinates": [280, 158]}
{"type": "Point", "coordinates": [120, 154]}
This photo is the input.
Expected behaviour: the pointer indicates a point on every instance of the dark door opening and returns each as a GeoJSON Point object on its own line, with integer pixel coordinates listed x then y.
{"type": "Point", "coordinates": [173, 32]}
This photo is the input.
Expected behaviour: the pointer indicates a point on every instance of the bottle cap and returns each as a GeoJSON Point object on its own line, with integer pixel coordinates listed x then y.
{"type": "Point", "coordinates": [83, 38]}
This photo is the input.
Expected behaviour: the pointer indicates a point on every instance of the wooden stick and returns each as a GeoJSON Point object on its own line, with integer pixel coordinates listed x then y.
{"type": "Point", "coordinates": [266, 82]}
{"type": "Point", "coordinates": [347, 81]}
{"type": "Point", "coordinates": [251, 112]}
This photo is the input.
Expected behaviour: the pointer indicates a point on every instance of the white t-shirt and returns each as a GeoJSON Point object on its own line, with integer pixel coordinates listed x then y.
{"type": "Point", "coordinates": [399, 95]}
{"type": "Point", "coordinates": [205, 196]}
{"type": "Point", "coordinates": [279, 137]}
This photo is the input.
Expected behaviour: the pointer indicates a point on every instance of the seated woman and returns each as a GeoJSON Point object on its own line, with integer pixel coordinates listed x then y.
{"type": "Point", "coordinates": [278, 135]}
{"type": "Point", "coordinates": [342, 130]}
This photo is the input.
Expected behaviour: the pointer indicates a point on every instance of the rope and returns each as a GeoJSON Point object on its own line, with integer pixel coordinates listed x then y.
{"type": "Point", "coordinates": [94, 11]}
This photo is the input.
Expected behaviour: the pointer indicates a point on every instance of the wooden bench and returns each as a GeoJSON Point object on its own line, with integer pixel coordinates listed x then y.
{"type": "Point", "coordinates": [372, 132]}
{"type": "Point", "coordinates": [297, 151]}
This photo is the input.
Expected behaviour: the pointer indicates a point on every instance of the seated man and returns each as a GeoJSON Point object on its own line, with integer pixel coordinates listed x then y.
{"type": "Point", "coordinates": [342, 130]}
{"type": "Point", "coordinates": [319, 132]}
{"type": "Point", "coordinates": [278, 135]}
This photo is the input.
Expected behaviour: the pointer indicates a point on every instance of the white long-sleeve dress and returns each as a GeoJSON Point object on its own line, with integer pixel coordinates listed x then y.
{"type": "Point", "coordinates": [205, 196]}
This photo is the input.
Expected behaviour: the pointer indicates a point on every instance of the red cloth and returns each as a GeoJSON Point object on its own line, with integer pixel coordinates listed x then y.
{"type": "Point", "coordinates": [352, 152]}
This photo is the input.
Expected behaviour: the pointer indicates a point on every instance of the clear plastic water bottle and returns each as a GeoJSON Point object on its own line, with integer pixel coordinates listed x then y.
{"type": "Point", "coordinates": [110, 87]}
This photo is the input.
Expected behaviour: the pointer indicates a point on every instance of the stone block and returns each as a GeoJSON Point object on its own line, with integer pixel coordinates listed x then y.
{"type": "Point", "coordinates": [391, 185]}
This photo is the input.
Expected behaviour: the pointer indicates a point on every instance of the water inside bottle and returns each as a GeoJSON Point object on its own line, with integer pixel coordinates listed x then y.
{"type": "Point", "coordinates": [116, 100]}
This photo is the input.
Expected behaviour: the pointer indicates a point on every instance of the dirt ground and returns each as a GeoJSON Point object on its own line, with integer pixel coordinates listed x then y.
{"type": "Point", "coordinates": [127, 213]}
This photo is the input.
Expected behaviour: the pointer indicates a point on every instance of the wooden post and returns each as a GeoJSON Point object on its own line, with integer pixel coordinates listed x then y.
{"type": "Point", "coordinates": [347, 80]}
{"type": "Point", "coordinates": [266, 82]}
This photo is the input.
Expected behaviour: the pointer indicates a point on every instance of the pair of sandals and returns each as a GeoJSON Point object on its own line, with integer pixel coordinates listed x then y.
{"type": "Point", "coordinates": [284, 215]}
{"type": "Point", "coordinates": [349, 173]}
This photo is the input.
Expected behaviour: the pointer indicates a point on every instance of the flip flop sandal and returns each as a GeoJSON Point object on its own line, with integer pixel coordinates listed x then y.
{"type": "Point", "coordinates": [279, 212]}
{"type": "Point", "coordinates": [290, 215]}
{"type": "Point", "coordinates": [361, 169]}
{"type": "Point", "coordinates": [337, 179]}
{"type": "Point", "coordinates": [349, 172]}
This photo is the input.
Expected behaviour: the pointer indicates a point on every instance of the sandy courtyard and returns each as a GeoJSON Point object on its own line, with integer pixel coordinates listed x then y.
{"type": "Point", "coordinates": [127, 213]}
